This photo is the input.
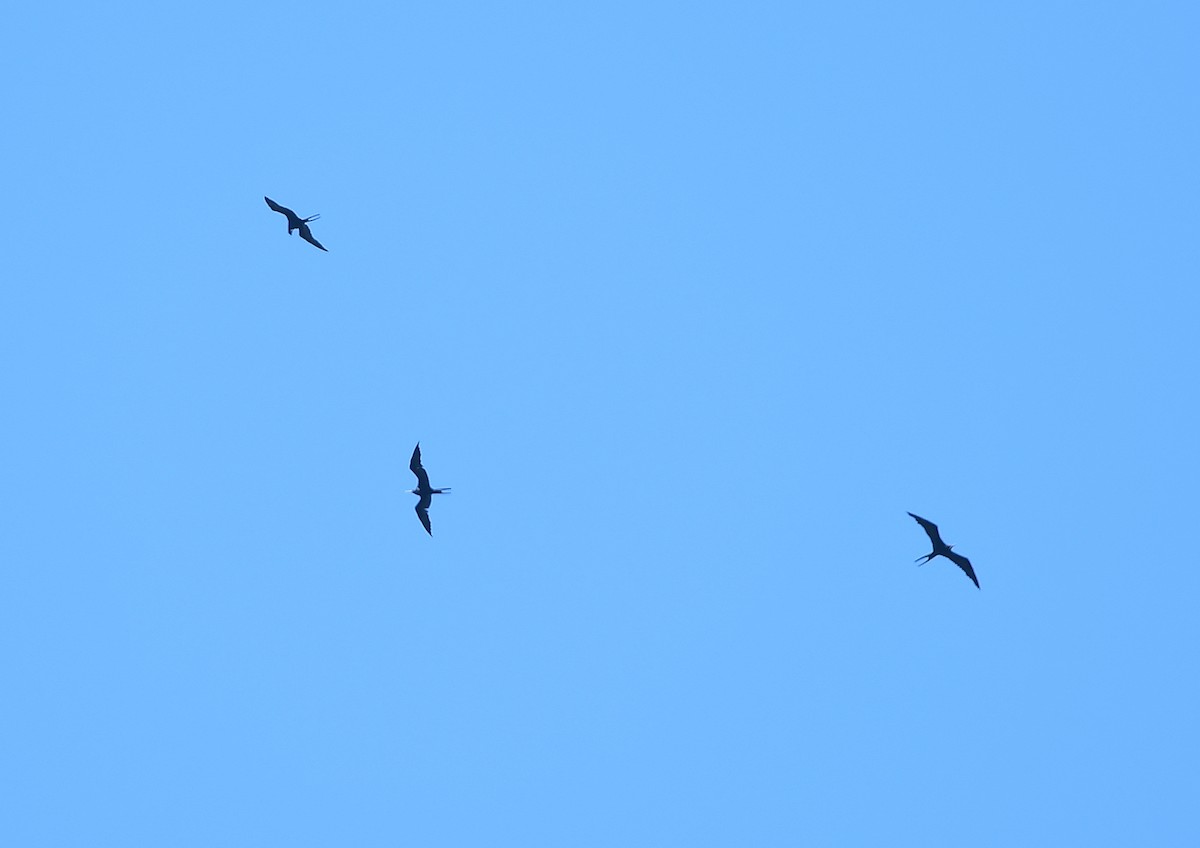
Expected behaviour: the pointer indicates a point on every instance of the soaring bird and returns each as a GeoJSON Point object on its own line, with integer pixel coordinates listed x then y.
{"type": "Point", "coordinates": [940, 548]}
{"type": "Point", "coordinates": [424, 491]}
{"type": "Point", "coordinates": [295, 222]}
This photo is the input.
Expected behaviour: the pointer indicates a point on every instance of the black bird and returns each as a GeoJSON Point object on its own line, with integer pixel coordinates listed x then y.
{"type": "Point", "coordinates": [940, 548]}
{"type": "Point", "coordinates": [424, 491]}
{"type": "Point", "coordinates": [295, 222]}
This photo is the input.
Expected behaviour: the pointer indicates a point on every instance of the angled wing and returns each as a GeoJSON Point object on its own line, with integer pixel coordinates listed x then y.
{"type": "Point", "coordinates": [306, 234]}
{"type": "Point", "coordinates": [963, 563]}
{"type": "Point", "coordinates": [283, 210]}
{"type": "Point", "coordinates": [415, 466]}
{"type": "Point", "coordinates": [423, 513]}
{"type": "Point", "coordinates": [932, 530]}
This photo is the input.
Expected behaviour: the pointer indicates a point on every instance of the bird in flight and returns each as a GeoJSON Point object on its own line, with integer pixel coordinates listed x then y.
{"type": "Point", "coordinates": [424, 491]}
{"type": "Point", "coordinates": [940, 548]}
{"type": "Point", "coordinates": [295, 222]}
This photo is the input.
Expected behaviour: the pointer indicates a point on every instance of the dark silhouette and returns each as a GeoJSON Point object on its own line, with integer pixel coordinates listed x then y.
{"type": "Point", "coordinates": [424, 491]}
{"type": "Point", "coordinates": [295, 222]}
{"type": "Point", "coordinates": [940, 548]}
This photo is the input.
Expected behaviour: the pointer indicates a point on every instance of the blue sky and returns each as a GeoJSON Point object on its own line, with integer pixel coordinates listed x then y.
{"type": "Point", "coordinates": [690, 303]}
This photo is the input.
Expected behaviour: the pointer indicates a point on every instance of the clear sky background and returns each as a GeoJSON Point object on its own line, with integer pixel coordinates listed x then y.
{"type": "Point", "coordinates": [690, 303]}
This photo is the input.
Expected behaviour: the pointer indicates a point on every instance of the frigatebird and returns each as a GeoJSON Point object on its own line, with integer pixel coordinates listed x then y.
{"type": "Point", "coordinates": [940, 548]}
{"type": "Point", "coordinates": [295, 222]}
{"type": "Point", "coordinates": [424, 491]}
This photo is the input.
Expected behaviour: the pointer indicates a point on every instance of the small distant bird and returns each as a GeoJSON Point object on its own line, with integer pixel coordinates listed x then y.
{"type": "Point", "coordinates": [295, 222]}
{"type": "Point", "coordinates": [424, 491]}
{"type": "Point", "coordinates": [940, 548]}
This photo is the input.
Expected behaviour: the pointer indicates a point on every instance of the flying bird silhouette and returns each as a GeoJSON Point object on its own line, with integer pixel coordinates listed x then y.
{"type": "Point", "coordinates": [424, 491]}
{"type": "Point", "coordinates": [295, 222]}
{"type": "Point", "coordinates": [940, 548]}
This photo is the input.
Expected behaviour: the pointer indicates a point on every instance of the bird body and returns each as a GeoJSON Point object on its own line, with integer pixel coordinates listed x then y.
{"type": "Point", "coordinates": [423, 491]}
{"type": "Point", "coordinates": [295, 222]}
{"type": "Point", "coordinates": [940, 548]}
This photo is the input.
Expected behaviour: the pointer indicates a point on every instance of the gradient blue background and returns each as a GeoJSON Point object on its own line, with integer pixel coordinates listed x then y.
{"type": "Point", "coordinates": [690, 303]}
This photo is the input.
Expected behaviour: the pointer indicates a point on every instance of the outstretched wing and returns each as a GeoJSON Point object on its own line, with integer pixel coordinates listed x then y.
{"type": "Point", "coordinates": [414, 465]}
{"type": "Point", "coordinates": [932, 530]}
{"type": "Point", "coordinates": [306, 234]}
{"type": "Point", "coordinates": [423, 513]}
{"type": "Point", "coordinates": [283, 210]}
{"type": "Point", "coordinates": [962, 562]}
